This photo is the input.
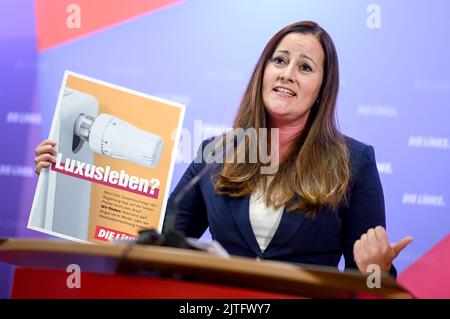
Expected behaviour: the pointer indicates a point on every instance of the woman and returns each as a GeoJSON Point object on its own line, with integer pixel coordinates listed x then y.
{"type": "Point", "coordinates": [324, 201]}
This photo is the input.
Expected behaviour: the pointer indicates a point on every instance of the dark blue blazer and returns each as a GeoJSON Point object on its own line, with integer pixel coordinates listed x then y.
{"type": "Point", "coordinates": [298, 239]}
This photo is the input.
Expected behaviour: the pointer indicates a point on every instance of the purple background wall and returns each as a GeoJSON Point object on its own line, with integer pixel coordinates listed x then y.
{"type": "Point", "coordinates": [20, 120]}
{"type": "Point", "coordinates": [394, 94]}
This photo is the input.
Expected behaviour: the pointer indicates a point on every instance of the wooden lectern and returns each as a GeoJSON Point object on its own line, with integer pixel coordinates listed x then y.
{"type": "Point", "coordinates": [122, 270]}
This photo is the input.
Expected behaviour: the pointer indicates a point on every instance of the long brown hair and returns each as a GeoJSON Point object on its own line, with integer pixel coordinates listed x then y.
{"type": "Point", "coordinates": [315, 173]}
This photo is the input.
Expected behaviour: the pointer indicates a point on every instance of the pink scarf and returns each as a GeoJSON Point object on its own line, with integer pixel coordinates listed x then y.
{"type": "Point", "coordinates": [288, 133]}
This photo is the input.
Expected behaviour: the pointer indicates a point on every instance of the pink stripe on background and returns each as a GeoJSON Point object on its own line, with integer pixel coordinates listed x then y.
{"type": "Point", "coordinates": [429, 276]}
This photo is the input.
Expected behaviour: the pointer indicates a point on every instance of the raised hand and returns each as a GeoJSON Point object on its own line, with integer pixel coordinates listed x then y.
{"type": "Point", "coordinates": [374, 248]}
{"type": "Point", "coordinates": [45, 155]}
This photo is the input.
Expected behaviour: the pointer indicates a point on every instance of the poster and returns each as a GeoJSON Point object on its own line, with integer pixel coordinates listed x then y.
{"type": "Point", "coordinates": [116, 151]}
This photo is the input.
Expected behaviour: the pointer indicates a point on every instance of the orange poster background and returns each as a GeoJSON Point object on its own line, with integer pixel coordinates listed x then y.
{"type": "Point", "coordinates": [148, 114]}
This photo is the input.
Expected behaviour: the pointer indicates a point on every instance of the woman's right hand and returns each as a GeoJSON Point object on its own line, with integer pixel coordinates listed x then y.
{"type": "Point", "coordinates": [45, 155]}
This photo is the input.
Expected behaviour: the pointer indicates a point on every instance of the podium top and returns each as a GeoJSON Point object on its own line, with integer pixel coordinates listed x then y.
{"type": "Point", "coordinates": [299, 280]}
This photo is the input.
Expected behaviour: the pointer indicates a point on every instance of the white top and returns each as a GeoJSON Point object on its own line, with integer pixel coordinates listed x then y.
{"type": "Point", "coordinates": [264, 220]}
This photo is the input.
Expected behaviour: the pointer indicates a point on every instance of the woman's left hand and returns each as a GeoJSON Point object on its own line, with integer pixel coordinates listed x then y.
{"type": "Point", "coordinates": [374, 248]}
